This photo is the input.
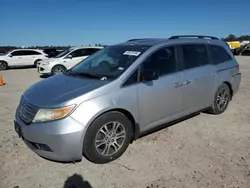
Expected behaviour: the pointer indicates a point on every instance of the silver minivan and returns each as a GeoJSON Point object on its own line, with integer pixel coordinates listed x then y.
{"type": "Point", "coordinates": [98, 107]}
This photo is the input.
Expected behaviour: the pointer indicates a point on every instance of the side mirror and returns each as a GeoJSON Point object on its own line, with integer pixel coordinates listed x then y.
{"type": "Point", "coordinates": [10, 55]}
{"type": "Point", "coordinates": [69, 56]}
{"type": "Point", "coordinates": [149, 75]}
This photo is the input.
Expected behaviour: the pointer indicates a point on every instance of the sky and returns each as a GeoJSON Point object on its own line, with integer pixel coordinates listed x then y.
{"type": "Point", "coordinates": [87, 22]}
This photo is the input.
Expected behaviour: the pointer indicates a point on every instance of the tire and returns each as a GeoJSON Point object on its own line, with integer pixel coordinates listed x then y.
{"type": "Point", "coordinates": [58, 69]}
{"type": "Point", "coordinates": [35, 63]}
{"type": "Point", "coordinates": [95, 151]}
{"type": "Point", "coordinates": [3, 65]}
{"type": "Point", "coordinates": [221, 100]}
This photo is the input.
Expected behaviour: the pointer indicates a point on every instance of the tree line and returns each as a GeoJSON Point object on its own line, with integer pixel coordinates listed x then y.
{"type": "Point", "coordinates": [4, 49]}
{"type": "Point", "coordinates": [232, 37]}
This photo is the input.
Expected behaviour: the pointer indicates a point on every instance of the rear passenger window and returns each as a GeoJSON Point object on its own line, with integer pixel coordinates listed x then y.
{"type": "Point", "coordinates": [34, 53]}
{"type": "Point", "coordinates": [194, 56]}
{"type": "Point", "coordinates": [21, 53]}
{"type": "Point", "coordinates": [219, 54]}
{"type": "Point", "coordinates": [163, 61]}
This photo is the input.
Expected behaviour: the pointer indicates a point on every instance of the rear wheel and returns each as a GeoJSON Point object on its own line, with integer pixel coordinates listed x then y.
{"type": "Point", "coordinates": [221, 100]}
{"type": "Point", "coordinates": [58, 69]}
{"type": "Point", "coordinates": [36, 62]}
{"type": "Point", "coordinates": [107, 138]}
{"type": "Point", "coordinates": [3, 65]}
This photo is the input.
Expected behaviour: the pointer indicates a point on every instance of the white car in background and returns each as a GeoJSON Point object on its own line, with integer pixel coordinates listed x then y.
{"type": "Point", "coordinates": [21, 58]}
{"type": "Point", "coordinates": [66, 60]}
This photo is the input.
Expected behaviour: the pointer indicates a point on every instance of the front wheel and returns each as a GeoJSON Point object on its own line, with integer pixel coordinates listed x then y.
{"type": "Point", "coordinates": [58, 69]}
{"type": "Point", "coordinates": [221, 100]}
{"type": "Point", "coordinates": [107, 138]}
{"type": "Point", "coordinates": [3, 65]}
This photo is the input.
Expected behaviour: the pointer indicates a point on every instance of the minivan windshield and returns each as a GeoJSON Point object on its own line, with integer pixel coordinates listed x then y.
{"type": "Point", "coordinates": [109, 62]}
{"type": "Point", "coordinates": [63, 53]}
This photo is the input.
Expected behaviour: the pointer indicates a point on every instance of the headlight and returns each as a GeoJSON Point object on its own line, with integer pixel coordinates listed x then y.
{"type": "Point", "coordinates": [53, 114]}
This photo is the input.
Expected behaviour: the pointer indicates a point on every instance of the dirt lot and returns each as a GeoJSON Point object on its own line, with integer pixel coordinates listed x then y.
{"type": "Point", "coordinates": [204, 151]}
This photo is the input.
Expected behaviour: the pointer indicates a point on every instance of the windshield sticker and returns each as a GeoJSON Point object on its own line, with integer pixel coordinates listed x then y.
{"type": "Point", "coordinates": [133, 53]}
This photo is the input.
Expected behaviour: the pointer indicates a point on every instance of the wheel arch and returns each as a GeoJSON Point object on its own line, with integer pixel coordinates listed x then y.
{"type": "Point", "coordinates": [230, 88]}
{"type": "Point", "coordinates": [58, 65]}
{"type": "Point", "coordinates": [4, 62]}
{"type": "Point", "coordinates": [37, 60]}
{"type": "Point", "coordinates": [126, 113]}
{"type": "Point", "coordinates": [135, 128]}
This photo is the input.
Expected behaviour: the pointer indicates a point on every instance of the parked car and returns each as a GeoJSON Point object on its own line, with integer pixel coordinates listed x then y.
{"type": "Point", "coordinates": [243, 50]}
{"type": "Point", "coordinates": [234, 44]}
{"type": "Point", "coordinates": [113, 97]}
{"type": "Point", "coordinates": [21, 58]}
{"type": "Point", "coordinates": [66, 60]}
{"type": "Point", "coordinates": [52, 52]}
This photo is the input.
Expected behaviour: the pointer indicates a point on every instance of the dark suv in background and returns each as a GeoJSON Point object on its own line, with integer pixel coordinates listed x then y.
{"type": "Point", "coordinates": [52, 52]}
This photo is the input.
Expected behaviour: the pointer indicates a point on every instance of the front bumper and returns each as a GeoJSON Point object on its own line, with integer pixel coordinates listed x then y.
{"type": "Point", "coordinates": [44, 69]}
{"type": "Point", "coordinates": [59, 140]}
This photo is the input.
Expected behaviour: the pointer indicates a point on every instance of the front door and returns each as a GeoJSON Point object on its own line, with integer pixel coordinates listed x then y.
{"type": "Point", "coordinates": [75, 57]}
{"type": "Point", "coordinates": [199, 75]}
{"type": "Point", "coordinates": [17, 58]}
{"type": "Point", "coordinates": [160, 100]}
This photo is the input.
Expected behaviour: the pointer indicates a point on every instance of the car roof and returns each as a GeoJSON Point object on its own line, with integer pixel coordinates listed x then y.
{"type": "Point", "coordinates": [84, 47]}
{"type": "Point", "coordinates": [174, 40]}
{"type": "Point", "coordinates": [27, 49]}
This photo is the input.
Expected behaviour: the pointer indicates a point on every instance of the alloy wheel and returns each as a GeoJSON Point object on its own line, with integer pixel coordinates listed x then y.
{"type": "Point", "coordinates": [110, 138]}
{"type": "Point", "coordinates": [3, 66]}
{"type": "Point", "coordinates": [222, 99]}
{"type": "Point", "coordinates": [58, 70]}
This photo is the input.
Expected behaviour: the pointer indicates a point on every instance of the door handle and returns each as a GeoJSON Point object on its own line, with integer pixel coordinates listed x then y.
{"type": "Point", "coordinates": [177, 84]}
{"type": "Point", "coordinates": [187, 82]}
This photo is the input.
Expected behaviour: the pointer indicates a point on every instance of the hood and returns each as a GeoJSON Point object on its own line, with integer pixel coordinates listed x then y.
{"type": "Point", "coordinates": [58, 89]}
{"type": "Point", "coordinates": [48, 60]}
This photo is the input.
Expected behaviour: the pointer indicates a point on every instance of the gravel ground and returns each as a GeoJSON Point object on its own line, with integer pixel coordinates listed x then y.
{"type": "Point", "coordinates": [203, 151]}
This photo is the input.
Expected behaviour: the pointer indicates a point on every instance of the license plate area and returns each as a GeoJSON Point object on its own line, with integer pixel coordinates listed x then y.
{"type": "Point", "coordinates": [18, 129]}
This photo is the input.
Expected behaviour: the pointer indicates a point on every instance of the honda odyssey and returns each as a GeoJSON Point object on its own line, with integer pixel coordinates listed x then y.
{"type": "Point", "coordinates": [98, 107]}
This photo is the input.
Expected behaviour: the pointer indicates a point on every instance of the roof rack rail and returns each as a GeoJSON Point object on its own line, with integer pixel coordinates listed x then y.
{"type": "Point", "coordinates": [191, 36]}
{"type": "Point", "coordinates": [134, 39]}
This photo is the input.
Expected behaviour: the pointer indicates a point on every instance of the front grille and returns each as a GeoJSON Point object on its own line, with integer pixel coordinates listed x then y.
{"type": "Point", "coordinates": [39, 146]}
{"type": "Point", "coordinates": [27, 112]}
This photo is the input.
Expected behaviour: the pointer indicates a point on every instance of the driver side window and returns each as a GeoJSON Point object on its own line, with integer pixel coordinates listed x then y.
{"type": "Point", "coordinates": [163, 61]}
{"type": "Point", "coordinates": [77, 53]}
{"type": "Point", "coordinates": [17, 53]}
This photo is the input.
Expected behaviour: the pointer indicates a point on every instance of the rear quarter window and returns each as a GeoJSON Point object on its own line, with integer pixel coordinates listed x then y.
{"type": "Point", "coordinates": [218, 54]}
{"type": "Point", "coordinates": [194, 55]}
